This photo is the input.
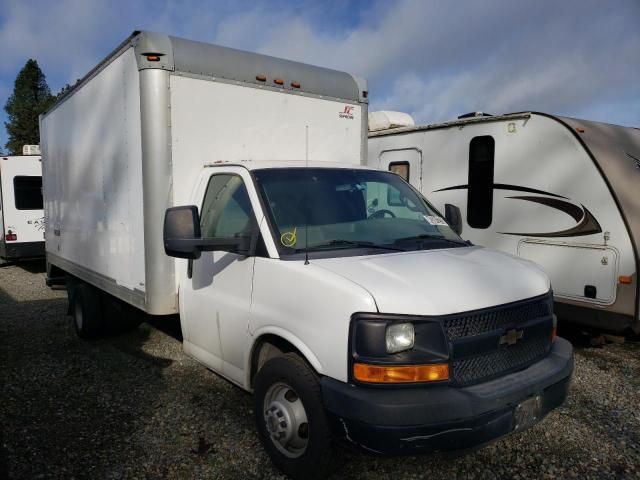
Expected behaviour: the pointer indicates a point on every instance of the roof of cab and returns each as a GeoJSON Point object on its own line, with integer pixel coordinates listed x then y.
{"type": "Point", "coordinates": [266, 164]}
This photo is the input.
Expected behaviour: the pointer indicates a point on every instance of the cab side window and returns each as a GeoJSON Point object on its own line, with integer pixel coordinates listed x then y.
{"type": "Point", "coordinates": [226, 210]}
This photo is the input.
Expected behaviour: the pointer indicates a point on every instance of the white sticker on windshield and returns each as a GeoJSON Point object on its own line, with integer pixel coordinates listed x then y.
{"type": "Point", "coordinates": [434, 220]}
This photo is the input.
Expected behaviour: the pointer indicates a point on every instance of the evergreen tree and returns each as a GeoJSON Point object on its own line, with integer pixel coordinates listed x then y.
{"type": "Point", "coordinates": [31, 96]}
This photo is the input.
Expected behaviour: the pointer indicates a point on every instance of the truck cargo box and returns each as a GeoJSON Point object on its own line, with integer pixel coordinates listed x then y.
{"type": "Point", "coordinates": [128, 140]}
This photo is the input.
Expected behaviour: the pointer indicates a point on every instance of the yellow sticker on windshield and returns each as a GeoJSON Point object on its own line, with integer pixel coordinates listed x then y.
{"type": "Point", "coordinates": [289, 239]}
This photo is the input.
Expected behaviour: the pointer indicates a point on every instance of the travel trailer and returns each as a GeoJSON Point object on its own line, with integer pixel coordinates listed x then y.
{"type": "Point", "coordinates": [562, 192]}
{"type": "Point", "coordinates": [226, 187]}
{"type": "Point", "coordinates": [21, 214]}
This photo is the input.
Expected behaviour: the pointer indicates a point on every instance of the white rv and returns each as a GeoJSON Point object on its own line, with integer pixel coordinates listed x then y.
{"type": "Point", "coordinates": [21, 214]}
{"type": "Point", "coordinates": [562, 192]}
{"type": "Point", "coordinates": [225, 186]}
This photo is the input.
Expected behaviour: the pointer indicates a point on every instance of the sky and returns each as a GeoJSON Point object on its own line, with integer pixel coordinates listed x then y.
{"type": "Point", "coordinates": [434, 59]}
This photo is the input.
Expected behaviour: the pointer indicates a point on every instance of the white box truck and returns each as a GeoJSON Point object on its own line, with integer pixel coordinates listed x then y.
{"type": "Point", "coordinates": [225, 186]}
{"type": "Point", "coordinates": [21, 214]}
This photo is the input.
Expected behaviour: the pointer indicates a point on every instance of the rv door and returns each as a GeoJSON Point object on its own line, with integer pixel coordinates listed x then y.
{"type": "Point", "coordinates": [406, 162]}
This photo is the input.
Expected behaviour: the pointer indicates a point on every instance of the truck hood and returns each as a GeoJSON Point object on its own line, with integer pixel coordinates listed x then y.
{"type": "Point", "coordinates": [440, 282]}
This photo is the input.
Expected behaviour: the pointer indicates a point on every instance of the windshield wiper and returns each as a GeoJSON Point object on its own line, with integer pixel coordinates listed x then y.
{"type": "Point", "coordinates": [351, 243]}
{"type": "Point", "coordinates": [427, 236]}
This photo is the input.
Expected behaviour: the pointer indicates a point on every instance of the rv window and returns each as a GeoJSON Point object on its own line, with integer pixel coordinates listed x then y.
{"type": "Point", "coordinates": [28, 193]}
{"type": "Point", "coordinates": [400, 168]}
{"type": "Point", "coordinates": [480, 196]}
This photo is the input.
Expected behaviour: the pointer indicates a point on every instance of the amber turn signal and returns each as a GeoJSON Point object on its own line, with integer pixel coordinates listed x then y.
{"type": "Point", "coordinates": [400, 373]}
{"type": "Point", "coordinates": [625, 279]}
{"type": "Point", "coordinates": [153, 58]}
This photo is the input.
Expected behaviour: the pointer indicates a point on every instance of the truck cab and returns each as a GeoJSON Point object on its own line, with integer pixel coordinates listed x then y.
{"type": "Point", "coordinates": [350, 308]}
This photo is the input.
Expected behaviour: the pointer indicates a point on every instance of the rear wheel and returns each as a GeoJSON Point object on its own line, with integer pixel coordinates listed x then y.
{"type": "Point", "coordinates": [86, 311]}
{"type": "Point", "coordinates": [290, 418]}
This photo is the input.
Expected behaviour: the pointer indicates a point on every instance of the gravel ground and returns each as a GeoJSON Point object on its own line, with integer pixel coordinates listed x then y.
{"type": "Point", "coordinates": [134, 406]}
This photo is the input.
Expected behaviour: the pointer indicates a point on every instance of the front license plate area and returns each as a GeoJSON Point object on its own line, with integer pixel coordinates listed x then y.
{"type": "Point", "coordinates": [527, 413]}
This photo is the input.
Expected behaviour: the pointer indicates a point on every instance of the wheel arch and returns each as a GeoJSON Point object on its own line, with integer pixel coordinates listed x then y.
{"type": "Point", "coordinates": [270, 343]}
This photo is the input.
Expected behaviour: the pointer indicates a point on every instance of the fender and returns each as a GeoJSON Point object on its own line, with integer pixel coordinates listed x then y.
{"type": "Point", "coordinates": [289, 337]}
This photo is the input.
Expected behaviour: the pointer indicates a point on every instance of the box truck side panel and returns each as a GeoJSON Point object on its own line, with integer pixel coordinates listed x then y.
{"type": "Point", "coordinates": [93, 181]}
{"type": "Point", "coordinates": [215, 121]}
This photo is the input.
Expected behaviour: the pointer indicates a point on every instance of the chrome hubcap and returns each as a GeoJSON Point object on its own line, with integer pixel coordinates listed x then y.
{"type": "Point", "coordinates": [286, 420]}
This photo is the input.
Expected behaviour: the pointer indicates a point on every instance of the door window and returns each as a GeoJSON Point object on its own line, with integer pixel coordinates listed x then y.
{"type": "Point", "coordinates": [400, 168]}
{"type": "Point", "coordinates": [404, 162]}
{"type": "Point", "coordinates": [226, 210]}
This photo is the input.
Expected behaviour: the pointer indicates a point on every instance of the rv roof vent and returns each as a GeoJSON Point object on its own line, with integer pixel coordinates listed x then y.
{"type": "Point", "coordinates": [31, 149]}
{"type": "Point", "coordinates": [475, 114]}
{"type": "Point", "coordinates": [386, 120]}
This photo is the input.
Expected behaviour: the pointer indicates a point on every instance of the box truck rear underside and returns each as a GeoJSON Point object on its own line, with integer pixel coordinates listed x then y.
{"type": "Point", "coordinates": [161, 108]}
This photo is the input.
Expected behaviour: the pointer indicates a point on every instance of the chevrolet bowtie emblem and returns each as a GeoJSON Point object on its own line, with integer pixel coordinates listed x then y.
{"type": "Point", "coordinates": [511, 337]}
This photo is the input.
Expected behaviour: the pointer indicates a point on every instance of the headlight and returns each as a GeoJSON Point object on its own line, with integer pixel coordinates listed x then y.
{"type": "Point", "coordinates": [399, 337]}
{"type": "Point", "coordinates": [388, 349]}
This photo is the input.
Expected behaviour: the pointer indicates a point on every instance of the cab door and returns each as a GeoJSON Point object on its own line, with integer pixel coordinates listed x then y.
{"type": "Point", "coordinates": [215, 298]}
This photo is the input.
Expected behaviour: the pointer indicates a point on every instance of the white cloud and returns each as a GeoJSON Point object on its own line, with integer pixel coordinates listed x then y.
{"type": "Point", "coordinates": [61, 35]}
{"type": "Point", "coordinates": [437, 60]}
{"type": "Point", "coordinates": [434, 59]}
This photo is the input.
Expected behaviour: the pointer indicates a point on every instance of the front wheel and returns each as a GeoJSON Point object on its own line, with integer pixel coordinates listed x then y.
{"type": "Point", "coordinates": [290, 418]}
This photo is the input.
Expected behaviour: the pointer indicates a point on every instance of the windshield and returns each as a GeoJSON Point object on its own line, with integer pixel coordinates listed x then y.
{"type": "Point", "coordinates": [320, 209]}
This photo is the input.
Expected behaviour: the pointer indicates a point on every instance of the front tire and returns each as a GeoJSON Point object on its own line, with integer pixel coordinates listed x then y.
{"type": "Point", "coordinates": [290, 418]}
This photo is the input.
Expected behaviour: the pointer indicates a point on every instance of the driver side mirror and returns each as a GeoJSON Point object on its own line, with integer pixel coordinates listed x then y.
{"type": "Point", "coordinates": [453, 217]}
{"type": "Point", "coordinates": [181, 230]}
{"type": "Point", "coordinates": [183, 238]}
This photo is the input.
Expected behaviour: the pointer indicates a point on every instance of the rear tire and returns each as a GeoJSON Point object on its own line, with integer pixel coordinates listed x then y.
{"type": "Point", "coordinates": [86, 310]}
{"type": "Point", "coordinates": [290, 418]}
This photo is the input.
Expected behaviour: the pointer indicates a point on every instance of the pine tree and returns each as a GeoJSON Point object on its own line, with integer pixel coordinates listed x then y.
{"type": "Point", "coordinates": [31, 96]}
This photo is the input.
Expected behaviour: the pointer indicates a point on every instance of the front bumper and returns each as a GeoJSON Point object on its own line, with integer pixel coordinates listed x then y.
{"type": "Point", "coordinates": [441, 417]}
